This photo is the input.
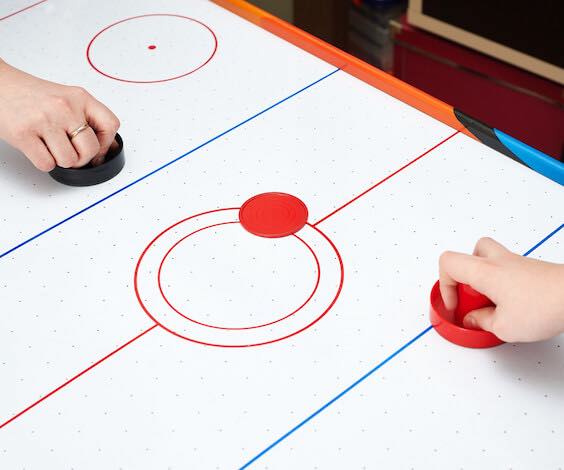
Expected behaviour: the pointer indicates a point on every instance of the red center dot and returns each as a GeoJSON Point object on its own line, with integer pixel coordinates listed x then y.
{"type": "Point", "coordinates": [273, 215]}
{"type": "Point", "coordinates": [152, 46]}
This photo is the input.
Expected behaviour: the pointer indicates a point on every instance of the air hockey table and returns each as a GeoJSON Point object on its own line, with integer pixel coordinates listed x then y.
{"type": "Point", "coordinates": [143, 326]}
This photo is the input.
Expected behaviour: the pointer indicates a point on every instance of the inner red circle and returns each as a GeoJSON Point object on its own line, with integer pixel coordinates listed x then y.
{"type": "Point", "coordinates": [273, 215]}
{"type": "Point", "coordinates": [245, 345]}
{"type": "Point", "coordinates": [89, 59]}
{"type": "Point", "coordinates": [152, 46]}
{"type": "Point", "coordinates": [164, 296]}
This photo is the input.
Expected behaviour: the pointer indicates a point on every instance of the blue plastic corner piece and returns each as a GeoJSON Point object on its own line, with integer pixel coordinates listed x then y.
{"type": "Point", "coordinates": [533, 158]}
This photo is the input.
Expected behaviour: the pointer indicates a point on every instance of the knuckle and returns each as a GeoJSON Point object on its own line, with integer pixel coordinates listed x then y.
{"type": "Point", "coordinates": [444, 257]}
{"type": "Point", "coordinates": [20, 132]}
{"type": "Point", "coordinates": [61, 100]}
{"type": "Point", "coordinates": [79, 91]}
{"type": "Point", "coordinates": [59, 104]}
{"type": "Point", "coordinates": [484, 240]}
{"type": "Point", "coordinates": [45, 164]}
{"type": "Point", "coordinates": [115, 123]}
{"type": "Point", "coordinates": [39, 118]}
{"type": "Point", "coordinates": [66, 161]}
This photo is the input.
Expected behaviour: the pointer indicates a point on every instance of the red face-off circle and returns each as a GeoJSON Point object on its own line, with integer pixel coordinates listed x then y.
{"type": "Point", "coordinates": [293, 312]}
{"type": "Point", "coordinates": [124, 54]}
{"type": "Point", "coordinates": [273, 215]}
{"type": "Point", "coordinates": [270, 215]}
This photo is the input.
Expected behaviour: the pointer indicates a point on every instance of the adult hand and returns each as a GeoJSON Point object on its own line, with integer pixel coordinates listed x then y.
{"type": "Point", "coordinates": [37, 117]}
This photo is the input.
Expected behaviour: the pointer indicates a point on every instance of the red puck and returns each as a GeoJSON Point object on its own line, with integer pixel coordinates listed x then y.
{"type": "Point", "coordinates": [449, 324]}
{"type": "Point", "coordinates": [273, 215]}
{"type": "Point", "coordinates": [468, 300]}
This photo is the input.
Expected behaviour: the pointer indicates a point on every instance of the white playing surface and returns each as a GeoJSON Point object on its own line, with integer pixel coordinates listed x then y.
{"type": "Point", "coordinates": [67, 297]}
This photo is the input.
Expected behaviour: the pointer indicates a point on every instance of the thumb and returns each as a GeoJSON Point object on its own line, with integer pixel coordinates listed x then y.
{"type": "Point", "coordinates": [481, 319]}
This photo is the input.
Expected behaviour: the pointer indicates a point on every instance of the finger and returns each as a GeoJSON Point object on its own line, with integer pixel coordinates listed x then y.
{"type": "Point", "coordinates": [99, 159]}
{"type": "Point", "coordinates": [488, 248]}
{"type": "Point", "coordinates": [104, 122]}
{"type": "Point", "coordinates": [86, 145]}
{"type": "Point", "coordinates": [482, 318]}
{"type": "Point", "coordinates": [455, 268]}
{"type": "Point", "coordinates": [36, 151]}
{"type": "Point", "coordinates": [61, 148]}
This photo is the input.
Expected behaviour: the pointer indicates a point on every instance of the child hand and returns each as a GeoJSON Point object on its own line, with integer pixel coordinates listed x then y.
{"type": "Point", "coordinates": [38, 118]}
{"type": "Point", "coordinates": [528, 294]}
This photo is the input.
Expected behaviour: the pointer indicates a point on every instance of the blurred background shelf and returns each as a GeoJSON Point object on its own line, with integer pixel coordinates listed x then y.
{"type": "Point", "coordinates": [524, 104]}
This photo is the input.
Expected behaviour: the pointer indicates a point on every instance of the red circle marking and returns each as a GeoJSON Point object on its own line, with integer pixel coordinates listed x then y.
{"type": "Point", "coordinates": [152, 46]}
{"type": "Point", "coordinates": [234, 328]}
{"type": "Point", "coordinates": [275, 340]}
{"type": "Point", "coordinates": [273, 215]}
{"type": "Point", "coordinates": [88, 58]}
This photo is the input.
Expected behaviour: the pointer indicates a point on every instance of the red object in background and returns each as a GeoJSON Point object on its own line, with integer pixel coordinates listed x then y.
{"type": "Point", "coordinates": [519, 103]}
{"type": "Point", "coordinates": [448, 324]}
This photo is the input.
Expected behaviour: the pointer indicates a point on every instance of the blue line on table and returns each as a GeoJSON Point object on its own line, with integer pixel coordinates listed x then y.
{"type": "Point", "coordinates": [550, 235]}
{"type": "Point", "coordinates": [367, 375]}
{"type": "Point", "coordinates": [115, 193]}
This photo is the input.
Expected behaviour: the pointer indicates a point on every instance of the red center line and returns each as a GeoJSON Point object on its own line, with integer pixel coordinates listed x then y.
{"type": "Point", "coordinates": [23, 9]}
{"type": "Point", "coordinates": [80, 374]}
{"type": "Point", "coordinates": [385, 179]}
